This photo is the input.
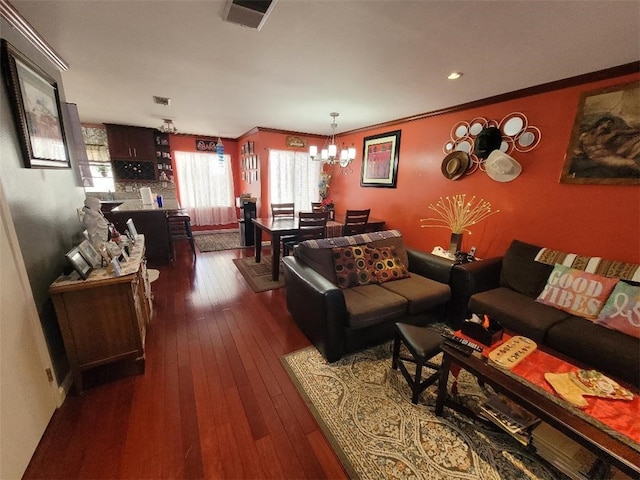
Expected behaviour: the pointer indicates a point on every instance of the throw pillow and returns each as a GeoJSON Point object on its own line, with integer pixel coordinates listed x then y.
{"type": "Point", "coordinates": [622, 310]}
{"type": "Point", "coordinates": [576, 292]}
{"type": "Point", "coordinates": [353, 266]}
{"type": "Point", "coordinates": [387, 264]}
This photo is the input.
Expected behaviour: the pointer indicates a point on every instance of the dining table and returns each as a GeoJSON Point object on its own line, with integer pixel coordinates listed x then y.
{"type": "Point", "coordinates": [278, 227]}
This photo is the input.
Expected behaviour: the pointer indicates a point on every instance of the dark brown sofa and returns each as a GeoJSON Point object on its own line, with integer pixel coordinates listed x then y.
{"type": "Point", "coordinates": [506, 289]}
{"type": "Point", "coordinates": [339, 321]}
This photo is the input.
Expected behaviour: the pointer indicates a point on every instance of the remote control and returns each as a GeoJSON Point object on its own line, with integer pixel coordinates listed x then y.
{"type": "Point", "coordinates": [462, 341]}
{"type": "Point", "coordinates": [464, 349]}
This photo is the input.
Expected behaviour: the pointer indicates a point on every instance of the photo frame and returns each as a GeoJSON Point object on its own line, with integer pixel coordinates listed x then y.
{"type": "Point", "coordinates": [35, 103]}
{"type": "Point", "coordinates": [604, 147]}
{"type": "Point", "coordinates": [79, 263]}
{"type": "Point", "coordinates": [90, 254]}
{"type": "Point", "coordinates": [380, 155]}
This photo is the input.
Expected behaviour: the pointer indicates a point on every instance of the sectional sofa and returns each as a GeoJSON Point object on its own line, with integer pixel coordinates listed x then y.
{"type": "Point", "coordinates": [524, 291]}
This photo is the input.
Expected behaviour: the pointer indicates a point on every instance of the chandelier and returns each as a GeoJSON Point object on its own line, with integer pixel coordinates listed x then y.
{"type": "Point", "coordinates": [329, 154]}
{"type": "Point", "coordinates": [168, 126]}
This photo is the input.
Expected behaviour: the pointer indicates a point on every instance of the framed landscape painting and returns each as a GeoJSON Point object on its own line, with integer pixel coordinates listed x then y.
{"type": "Point", "coordinates": [605, 141]}
{"type": "Point", "coordinates": [35, 102]}
{"type": "Point", "coordinates": [380, 155]}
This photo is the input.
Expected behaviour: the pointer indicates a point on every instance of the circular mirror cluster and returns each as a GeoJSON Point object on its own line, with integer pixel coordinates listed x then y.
{"type": "Point", "coordinates": [517, 135]}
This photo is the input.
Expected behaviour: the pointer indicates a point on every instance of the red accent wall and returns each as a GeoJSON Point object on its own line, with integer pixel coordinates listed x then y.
{"type": "Point", "coordinates": [599, 220]}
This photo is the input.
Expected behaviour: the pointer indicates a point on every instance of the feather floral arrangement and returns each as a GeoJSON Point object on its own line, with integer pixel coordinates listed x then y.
{"type": "Point", "coordinates": [458, 214]}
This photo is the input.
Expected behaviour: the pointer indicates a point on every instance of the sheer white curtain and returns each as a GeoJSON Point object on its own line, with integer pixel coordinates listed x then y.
{"type": "Point", "coordinates": [206, 188]}
{"type": "Point", "coordinates": [293, 177]}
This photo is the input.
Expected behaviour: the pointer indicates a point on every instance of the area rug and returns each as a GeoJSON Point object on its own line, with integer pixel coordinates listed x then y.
{"type": "Point", "coordinates": [365, 411]}
{"type": "Point", "coordinates": [258, 275]}
{"type": "Point", "coordinates": [212, 242]}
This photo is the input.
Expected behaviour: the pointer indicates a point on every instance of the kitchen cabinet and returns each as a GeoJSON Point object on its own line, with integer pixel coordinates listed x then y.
{"type": "Point", "coordinates": [104, 318]}
{"type": "Point", "coordinates": [131, 143]}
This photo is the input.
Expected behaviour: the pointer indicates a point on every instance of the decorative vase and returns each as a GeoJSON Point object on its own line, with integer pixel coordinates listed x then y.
{"type": "Point", "coordinates": [456, 243]}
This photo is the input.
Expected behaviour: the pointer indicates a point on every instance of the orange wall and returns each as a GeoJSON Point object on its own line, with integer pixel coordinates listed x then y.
{"type": "Point", "coordinates": [602, 220]}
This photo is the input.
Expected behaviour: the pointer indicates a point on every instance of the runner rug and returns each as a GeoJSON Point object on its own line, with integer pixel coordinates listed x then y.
{"type": "Point", "coordinates": [211, 242]}
{"type": "Point", "coordinates": [365, 411]}
{"type": "Point", "coordinates": [258, 275]}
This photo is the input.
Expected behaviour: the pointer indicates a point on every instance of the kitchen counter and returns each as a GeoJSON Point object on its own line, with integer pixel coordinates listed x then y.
{"type": "Point", "coordinates": [137, 206]}
{"type": "Point", "coordinates": [149, 220]}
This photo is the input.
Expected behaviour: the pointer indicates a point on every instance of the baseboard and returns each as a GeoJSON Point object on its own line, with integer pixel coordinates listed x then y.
{"type": "Point", "coordinates": [209, 232]}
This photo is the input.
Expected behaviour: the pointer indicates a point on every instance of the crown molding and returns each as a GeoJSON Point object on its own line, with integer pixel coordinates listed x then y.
{"type": "Point", "coordinates": [17, 21]}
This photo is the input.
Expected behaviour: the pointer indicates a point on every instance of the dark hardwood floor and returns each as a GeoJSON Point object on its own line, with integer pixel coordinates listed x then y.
{"type": "Point", "coordinates": [214, 401]}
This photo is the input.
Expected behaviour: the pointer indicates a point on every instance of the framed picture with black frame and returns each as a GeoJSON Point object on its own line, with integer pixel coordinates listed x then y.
{"type": "Point", "coordinates": [380, 155]}
{"type": "Point", "coordinates": [90, 254]}
{"type": "Point", "coordinates": [79, 263]}
{"type": "Point", "coordinates": [35, 103]}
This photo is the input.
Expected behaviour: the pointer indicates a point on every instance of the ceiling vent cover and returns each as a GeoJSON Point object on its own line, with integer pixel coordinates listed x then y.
{"type": "Point", "coordinates": [248, 13]}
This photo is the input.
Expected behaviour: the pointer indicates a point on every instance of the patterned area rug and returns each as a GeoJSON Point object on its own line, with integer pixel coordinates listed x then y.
{"type": "Point", "coordinates": [258, 275]}
{"type": "Point", "coordinates": [365, 410]}
{"type": "Point", "coordinates": [211, 242]}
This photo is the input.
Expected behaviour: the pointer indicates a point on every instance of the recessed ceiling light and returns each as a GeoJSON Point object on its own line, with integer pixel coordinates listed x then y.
{"type": "Point", "coordinates": [454, 75]}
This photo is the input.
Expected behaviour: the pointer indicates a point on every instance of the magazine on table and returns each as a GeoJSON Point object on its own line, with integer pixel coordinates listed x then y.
{"type": "Point", "coordinates": [508, 414]}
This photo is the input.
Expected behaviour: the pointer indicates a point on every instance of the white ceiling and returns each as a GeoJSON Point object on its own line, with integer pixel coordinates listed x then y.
{"type": "Point", "coordinates": [371, 60]}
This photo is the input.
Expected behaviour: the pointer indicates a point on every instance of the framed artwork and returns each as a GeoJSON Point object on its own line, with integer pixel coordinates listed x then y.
{"type": "Point", "coordinates": [90, 254]}
{"type": "Point", "coordinates": [380, 160]}
{"type": "Point", "coordinates": [35, 102]}
{"type": "Point", "coordinates": [79, 263]}
{"type": "Point", "coordinates": [605, 140]}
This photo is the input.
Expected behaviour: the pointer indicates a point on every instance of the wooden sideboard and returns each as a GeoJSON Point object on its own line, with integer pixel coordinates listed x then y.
{"type": "Point", "coordinates": [104, 318]}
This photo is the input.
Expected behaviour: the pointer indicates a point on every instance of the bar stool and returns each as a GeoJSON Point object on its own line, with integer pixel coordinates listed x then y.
{"type": "Point", "coordinates": [179, 226]}
{"type": "Point", "coordinates": [423, 344]}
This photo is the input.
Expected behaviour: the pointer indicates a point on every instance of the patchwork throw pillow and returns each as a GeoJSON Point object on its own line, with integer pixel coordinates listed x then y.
{"type": "Point", "coordinates": [353, 266]}
{"type": "Point", "coordinates": [576, 292]}
{"type": "Point", "coordinates": [387, 264]}
{"type": "Point", "coordinates": [622, 310]}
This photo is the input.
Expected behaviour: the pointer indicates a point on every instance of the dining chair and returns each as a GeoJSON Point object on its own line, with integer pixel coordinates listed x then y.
{"type": "Point", "coordinates": [317, 207]}
{"type": "Point", "coordinates": [282, 210]}
{"type": "Point", "coordinates": [355, 221]}
{"type": "Point", "coordinates": [312, 225]}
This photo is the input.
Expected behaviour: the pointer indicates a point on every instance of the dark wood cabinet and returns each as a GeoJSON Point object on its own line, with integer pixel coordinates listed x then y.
{"type": "Point", "coordinates": [131, 143]}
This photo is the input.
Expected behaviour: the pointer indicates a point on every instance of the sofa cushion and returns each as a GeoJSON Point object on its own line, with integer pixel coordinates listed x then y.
{"type": "Point", "coordinates": [517, 312]}
{"type": "Point", "coordinates": [354, 266]}
{"type": "Point", "coordinates": [318, 254]}
{"type": "Point", "coordinates": [609, 351]}
{"type": "Point", "coordinates": [622, 310]}
{"type": "Point", "coordinates": [371, 304]}
{"type": "Point", "coordinates": [422, 293]}
{"type": "Point", "coordinates": [387, 264]}
{"type": "Point", "coordinates": [577, 292]}
{"type": "Point", "coordinates": [520, 272]}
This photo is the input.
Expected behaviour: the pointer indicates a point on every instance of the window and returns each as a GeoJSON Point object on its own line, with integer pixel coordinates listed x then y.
{"type": "Point", "coordinates": [96, 173]}
{"type": "Point", "coordinates": [293, 177]}
{"type": "Point", "coordinates": [206, 188]}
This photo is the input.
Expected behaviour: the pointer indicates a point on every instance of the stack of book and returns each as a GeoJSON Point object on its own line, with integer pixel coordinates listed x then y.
{"type": "Point", "coordinates": [510, 417]}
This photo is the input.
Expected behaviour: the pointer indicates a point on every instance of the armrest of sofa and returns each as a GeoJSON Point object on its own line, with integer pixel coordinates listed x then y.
{"type": "Point", "coordinates": [468, 279]}
{"type": "Point", "coordinates": [317, 306]}
{"type": "Point", "coordinates": [430, 266]}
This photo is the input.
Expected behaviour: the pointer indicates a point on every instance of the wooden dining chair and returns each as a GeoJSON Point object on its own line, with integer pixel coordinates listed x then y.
{"type": "Point", "coordinates": [355, 221]}
{"type": "Point", "coordinates": [312, 225]}
{"type": "Point", "coordinates": [317, 207]}
{"type": "Point", "coordinates": [282, 210]}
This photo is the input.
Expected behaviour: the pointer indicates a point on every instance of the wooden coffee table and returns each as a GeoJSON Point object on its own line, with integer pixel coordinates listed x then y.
{"type": "Point", "coordinates": [606, 447]}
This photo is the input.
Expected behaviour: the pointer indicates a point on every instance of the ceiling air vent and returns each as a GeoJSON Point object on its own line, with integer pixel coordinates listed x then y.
{"type": "Point", "coordinates": [249, 13]}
